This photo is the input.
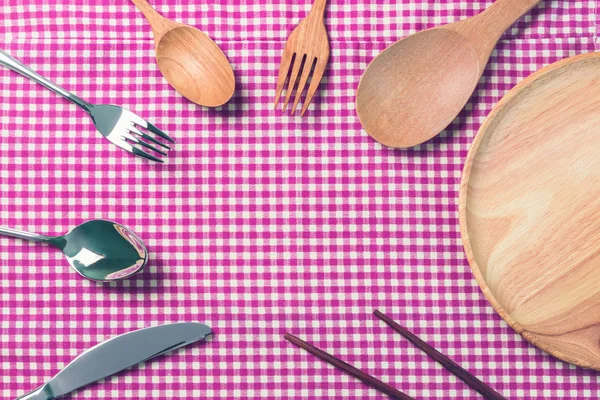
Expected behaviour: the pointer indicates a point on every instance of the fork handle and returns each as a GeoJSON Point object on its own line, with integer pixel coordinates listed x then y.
{"type": "Point", "coordinates": [12, 63]}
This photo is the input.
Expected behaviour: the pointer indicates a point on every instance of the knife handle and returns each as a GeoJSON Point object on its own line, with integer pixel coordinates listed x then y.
{"type": "Point", "coordinates": [38, 394]}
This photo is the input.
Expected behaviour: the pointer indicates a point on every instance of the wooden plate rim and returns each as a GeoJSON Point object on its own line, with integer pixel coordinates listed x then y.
{"type": "Point", "coordinates": [462, 205]}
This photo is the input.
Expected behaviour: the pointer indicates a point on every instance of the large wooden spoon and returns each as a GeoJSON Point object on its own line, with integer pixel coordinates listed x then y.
{"type": "Point", "coordinates": [189, 60]}
{"type": "Point", "coordinates": [416, 87]}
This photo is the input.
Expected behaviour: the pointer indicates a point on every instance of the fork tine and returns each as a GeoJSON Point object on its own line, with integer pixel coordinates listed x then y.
{"type": "Point", "coordinates": [135, 130]}
{"type": "Point", "coordinates": [129, 136]}
{"type": "Point", "coordinates": [149, 146]}
{"type": "Point", "coordinates": [303, 79]}
{"type": "Point", "coordinates": [143, 154]}
{"type": "Point", "coordinates": [160, 133]}
{"type": "Point", "coordinates": [293, 79]}
{"type": "Point", "coordinates": [145, 124]}
{"type": "Point", "coordinates": [314, 83]}
{"type": "Point", "coordinates": [287, 58]}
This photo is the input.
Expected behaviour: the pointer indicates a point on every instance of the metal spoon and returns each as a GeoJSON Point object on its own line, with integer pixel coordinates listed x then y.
{"type": "Point", "coordinates": [98, 250]}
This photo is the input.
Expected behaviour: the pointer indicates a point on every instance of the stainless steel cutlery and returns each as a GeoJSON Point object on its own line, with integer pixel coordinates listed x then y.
{"type": "Point", "coordinates": [115, 123]}
{"type": "Point", "coordinates": [117, 354]}
{"type": "Point", "coordinates": [98, 250]}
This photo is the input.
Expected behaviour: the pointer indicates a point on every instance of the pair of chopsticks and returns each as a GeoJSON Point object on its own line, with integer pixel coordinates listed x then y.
{"type": "Point", "coordinates": [394, 393]}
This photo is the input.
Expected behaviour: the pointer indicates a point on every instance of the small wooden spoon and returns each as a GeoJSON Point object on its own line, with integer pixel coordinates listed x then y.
{"type": "Point", "coordinates": [416, 87]}
{"type": "Point", "coordinates": [189, 60]}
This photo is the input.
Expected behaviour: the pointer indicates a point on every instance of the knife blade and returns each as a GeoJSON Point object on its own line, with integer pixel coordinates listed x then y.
{"type": "Point", "coordinates": [117, 354]}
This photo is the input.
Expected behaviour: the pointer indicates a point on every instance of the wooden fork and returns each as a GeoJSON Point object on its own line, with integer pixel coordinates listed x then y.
{"type": "Point", "coordinates": [306, 50]}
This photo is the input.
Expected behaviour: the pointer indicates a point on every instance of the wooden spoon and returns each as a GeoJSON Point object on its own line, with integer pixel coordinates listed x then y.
{"type": "Point", "coordinates": [189, 60]}
{"type": "Point", "coordinates": [416, 87]}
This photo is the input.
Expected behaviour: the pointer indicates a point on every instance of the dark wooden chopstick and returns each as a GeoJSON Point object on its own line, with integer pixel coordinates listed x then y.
{"type": "Point", "coordinates": [344, 366]}
{"type": "Point", "coordinates": [450, 365]}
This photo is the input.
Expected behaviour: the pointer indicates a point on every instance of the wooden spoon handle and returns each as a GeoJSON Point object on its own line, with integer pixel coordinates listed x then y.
{"type": "Point", "coordinates": [319, 6]}
{"type": "Point", "coordinates": [484, 30]}
{"type": "Point", "coordinates": [160, 25]}
{"type": "Point", "coordinates": [503, 13]}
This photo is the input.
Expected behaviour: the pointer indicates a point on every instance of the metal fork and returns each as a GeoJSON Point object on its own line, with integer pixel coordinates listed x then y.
{"type": "Point", "coordinates": [117, 124]}
{"type": "Point", "coordinates": [306, 50]}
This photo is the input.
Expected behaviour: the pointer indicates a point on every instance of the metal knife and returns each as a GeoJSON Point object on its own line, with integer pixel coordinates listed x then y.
{"type": "Point", "coordinates": [117, 354]}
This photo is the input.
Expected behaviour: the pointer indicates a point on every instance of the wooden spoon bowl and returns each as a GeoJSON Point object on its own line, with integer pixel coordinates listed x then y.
{"type": "Point", "coordinates": [190, 61]}
{"type": "Point", "coordinates": [442, 78]}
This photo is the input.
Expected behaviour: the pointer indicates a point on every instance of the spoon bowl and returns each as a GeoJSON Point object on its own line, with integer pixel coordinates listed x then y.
{"type": "Point", "coordinates": [98, 250]}
{"type": "Point", "coordinates": [420, 91]}
{"type": "Point", "coordinates": [103, 250]}
{"type": "Point", "coordinates": [185, 57]}
{"type": "Point", "coordinates": [189, 60]}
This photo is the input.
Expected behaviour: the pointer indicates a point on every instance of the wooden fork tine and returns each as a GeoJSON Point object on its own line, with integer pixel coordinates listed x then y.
{"type": "Point", "coordinates": [287, 58]}
{"type": "Point", "coordinates": [308, 64]}
{"type": "Point", "coordinates": [314, 83]}
{"type": "Point", "coordinates": [293, 79]}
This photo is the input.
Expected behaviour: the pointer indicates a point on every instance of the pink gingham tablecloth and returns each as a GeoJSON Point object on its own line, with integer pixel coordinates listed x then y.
{"type": "Point", "coordinates": [260, 223]}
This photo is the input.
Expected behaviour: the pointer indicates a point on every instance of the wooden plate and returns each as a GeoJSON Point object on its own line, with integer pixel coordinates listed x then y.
{"type": "Point", "coordinates": [530, 209]}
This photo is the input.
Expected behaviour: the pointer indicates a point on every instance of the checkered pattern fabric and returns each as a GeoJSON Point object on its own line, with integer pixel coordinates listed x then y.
{"type": "Point", "coordinates": [260, 222]}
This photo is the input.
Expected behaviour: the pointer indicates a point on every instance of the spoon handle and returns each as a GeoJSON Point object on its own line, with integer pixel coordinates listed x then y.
{"type": "Point", "coordinates": [160, 25]}
{"type": "Point", "coordinates": [485, 29]}
{"type": "Point", "coordinates": [503, 13]}
{"type": "Point", "coordinates": [24, 235]}
{"type": "Point", "coordinates": [319, 6]}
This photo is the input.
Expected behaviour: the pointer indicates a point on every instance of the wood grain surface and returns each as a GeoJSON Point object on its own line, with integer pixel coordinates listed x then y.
{"type": "Point", "coordinates": [189, 60]}
{"type": "Point", "coordinates": [306, 50]}
{"type": "Point", "coordinates": [530, 209]}
{"type": "Point", "coordinates": [416, 87]}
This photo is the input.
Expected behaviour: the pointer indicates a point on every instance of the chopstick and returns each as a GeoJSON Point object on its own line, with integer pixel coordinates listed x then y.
{"type": "Point", "coordinates": [344, 366]}
{"type": "Point", "coordinates": [450, 365]}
